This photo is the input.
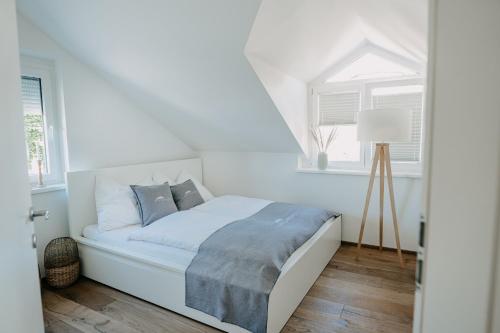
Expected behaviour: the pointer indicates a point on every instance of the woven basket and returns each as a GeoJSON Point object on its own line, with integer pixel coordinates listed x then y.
{"type": "Point", "coordinates": [62, 277]}
{"type": "Point", "coordinates": [62, 263]}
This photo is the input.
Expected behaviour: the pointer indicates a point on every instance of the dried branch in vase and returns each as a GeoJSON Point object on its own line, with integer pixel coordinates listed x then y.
{"type": "Point", "coordinates": [317, 135]}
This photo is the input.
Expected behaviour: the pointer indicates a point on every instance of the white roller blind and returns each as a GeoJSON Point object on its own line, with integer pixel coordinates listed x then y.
{"type": "Point", "coordinates": [409, 152]}
{"type": "Point", "coordinates": [338, 108]}
{"type": "Point", "coordinates": [31, 90]}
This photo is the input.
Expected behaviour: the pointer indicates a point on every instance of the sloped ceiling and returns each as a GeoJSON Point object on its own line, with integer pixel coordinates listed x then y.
{"type": "Point", "coordinates": [293, 42]}
{"type": "Point", "coordinates": [305, 37]}
{"type": "Point", "coordinates": [182, 61]}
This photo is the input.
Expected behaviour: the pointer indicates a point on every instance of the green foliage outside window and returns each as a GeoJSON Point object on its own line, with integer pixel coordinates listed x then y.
{"type": "Point", "coordinates": [35, 140]}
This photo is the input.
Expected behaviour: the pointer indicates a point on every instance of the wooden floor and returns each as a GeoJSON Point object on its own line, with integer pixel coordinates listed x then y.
{"type": "Point", "coordinates": [370, 295]}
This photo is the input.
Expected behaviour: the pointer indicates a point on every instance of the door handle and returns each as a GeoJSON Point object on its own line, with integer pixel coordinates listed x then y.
{"type": "Point", "coordinates": [33, 241]}
{"type": "Point", "coordinates": [38, 213]}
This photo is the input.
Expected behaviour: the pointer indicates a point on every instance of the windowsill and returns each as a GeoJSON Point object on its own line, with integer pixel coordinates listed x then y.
{"type": "Point", "coordinates": [48, 188]}
{"type": "Point", "coordinates": [356, 172]}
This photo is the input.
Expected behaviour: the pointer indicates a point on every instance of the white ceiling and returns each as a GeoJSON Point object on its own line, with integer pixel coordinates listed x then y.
{"type": "Point", "coordinates": [305, 37]}
{"type": "Point", "coordinates": [183, 61]}
{"type": "Point", "coordinates": [296, 42]}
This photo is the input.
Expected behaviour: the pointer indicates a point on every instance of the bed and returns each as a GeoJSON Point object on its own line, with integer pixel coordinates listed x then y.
{"type": "Point", "coordinates": [112, 259]}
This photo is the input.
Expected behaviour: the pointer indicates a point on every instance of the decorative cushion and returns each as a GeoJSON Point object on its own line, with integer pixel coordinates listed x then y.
{"type": "Point", "coordinates": [154, 202]}
{"type": "Point", "coordinates": [115, 204]}
{"type": "Point", "coordinates": [186, 196]}
{"type": "Point", "coordinates": [204, 192]}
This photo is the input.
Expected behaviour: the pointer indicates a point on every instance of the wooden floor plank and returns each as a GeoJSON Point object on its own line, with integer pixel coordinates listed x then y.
{"type": "Point", "coordinates": [149, 310]}
{"type": "Point", "coordinates": [358, 289]}
{"type": "Point", "coordinates": [372, 294]}
{"type": "Point", "coordinates": [375, 263]}
{"type": "Point", "coordinates": [147, 321]}
{"type": "Point", "coordinates": [356, 267]}
{"type": "Point", "coordinates": [54, 325]}
{"type": "Point", "coordinates": [369, 280]}
{"type": "Point", "coordinates": [370, 321]}
{"type": "Point", "coordinates": [138, 314]}
{"type": "Point", "coordinates": [383, 317]}
{"type": "Point", "coordinates": [81, 317]}
{"type": "Point", "coordinates": [366, 302]}
{"type": "Point", "coordinates": [301, 325]}
{"type": "Point", "coordinates": [83, 295]}
{"type": "Point", "coordinates": [318, 309]}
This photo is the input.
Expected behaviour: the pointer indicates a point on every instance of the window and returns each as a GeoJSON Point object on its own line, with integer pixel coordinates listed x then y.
{"type": "Point", "coordinates": [34, 123]}
{"type": "Point", "coordinates": [340, 108]}
{"type": "Point", "coordinates": [368, 82]}
{"type": "Point", "coordinates": [409, 97]}
{"type": "Point", "coordinates": [40, 120]}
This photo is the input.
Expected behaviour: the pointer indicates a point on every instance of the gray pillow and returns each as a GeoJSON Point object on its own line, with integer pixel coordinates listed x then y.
{"type": "Point", "coordinates": [154, 202]}
{"type": "Point", "coordinates": [186, 195]}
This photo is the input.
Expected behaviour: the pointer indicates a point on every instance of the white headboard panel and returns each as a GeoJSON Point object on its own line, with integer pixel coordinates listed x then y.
{"type": "Point", "coordinates": [81, 184]}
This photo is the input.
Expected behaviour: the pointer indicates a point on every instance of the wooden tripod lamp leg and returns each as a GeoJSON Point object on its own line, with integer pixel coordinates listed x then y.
{"type": "Point", "coordinates": [381, 218]}
{"type": "Point", "coordinates": [393, 205]}
{"type": "Point", "coordinates": [368, 196]}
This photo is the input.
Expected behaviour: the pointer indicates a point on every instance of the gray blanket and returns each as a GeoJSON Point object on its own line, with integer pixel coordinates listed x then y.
{"type": "Point", "coordinates": [236, 268]}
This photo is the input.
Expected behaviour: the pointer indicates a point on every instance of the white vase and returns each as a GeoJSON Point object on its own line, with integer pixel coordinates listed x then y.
{"type": "Point", "coordinates": [322, 160]}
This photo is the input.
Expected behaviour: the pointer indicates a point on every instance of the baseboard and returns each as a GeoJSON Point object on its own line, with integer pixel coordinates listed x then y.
{"type": "Point", "coordinates": [376, 247]}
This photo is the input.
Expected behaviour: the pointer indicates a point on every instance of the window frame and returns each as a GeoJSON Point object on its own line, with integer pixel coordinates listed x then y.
{"type": "Point", "coordinates": [399, 166]}
{"type": "Point", "coordinates": [364, 87]}
{"type": "Point", "coordinates": [46, 72]}
{"type": "Point", "coordinates": [335, 88]}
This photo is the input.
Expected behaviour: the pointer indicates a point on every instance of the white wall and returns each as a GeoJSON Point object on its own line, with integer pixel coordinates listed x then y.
{"type": "Point", "coordinates": [104, 128]}
{"type": "Point", "coordinates": [273, 176]}
{"type": "Point", "coordinates": [288, 94]}
{"type": "Point", "coordinates": [464, 171]}
{"type": "Point", "coordinates": [182, 60]}
{"type": "Point", "coordinates": [97, 139]}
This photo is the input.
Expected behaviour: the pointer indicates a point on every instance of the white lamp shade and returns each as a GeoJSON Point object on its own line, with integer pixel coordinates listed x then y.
{"type": "Point", "coordinates": [384, 125]}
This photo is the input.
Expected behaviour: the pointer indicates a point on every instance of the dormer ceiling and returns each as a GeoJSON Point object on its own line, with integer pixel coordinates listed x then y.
{"type": "Point", "coordinates": [304, 38]}
{"type": "Point", "coordinates": [184, 61]}
{"type": "Point", "coordinates": [294, 43]}
{"type": "Point", "coordinates": [370, 61]}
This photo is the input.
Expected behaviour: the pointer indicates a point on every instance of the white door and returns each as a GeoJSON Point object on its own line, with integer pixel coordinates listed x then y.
{"type": "Point", "coordinates": [20, 301]}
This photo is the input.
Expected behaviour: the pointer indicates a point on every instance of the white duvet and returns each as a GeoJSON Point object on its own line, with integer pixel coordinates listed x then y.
{"type": "Point", "coordinates": [188, 229]}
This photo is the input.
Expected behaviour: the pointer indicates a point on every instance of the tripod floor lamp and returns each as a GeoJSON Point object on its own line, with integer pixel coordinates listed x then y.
{"type": "Point", "coordinates": [383, 126]}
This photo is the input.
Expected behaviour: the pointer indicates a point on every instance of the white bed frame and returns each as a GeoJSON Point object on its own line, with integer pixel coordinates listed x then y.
{"type": "Point", "coordinates": [165, 283]}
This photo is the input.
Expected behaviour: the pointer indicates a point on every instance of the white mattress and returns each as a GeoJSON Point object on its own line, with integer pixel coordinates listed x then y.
{"type": "Point", "coordinates": [173, 241]}
{"type": "Point", "coordinates": [118, 238]}
{"type": "Point", "coordinates": [188, 229]}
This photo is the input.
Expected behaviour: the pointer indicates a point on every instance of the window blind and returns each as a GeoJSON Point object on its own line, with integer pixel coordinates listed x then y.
{"type": "Point", "coordinates": [31, 90]}
{"type": "Point", "coordinates": [408, 152]}
{"type": "Point", "coordinates": [34, 127]}
{"type": "Point", "coordinates": [338, 108]}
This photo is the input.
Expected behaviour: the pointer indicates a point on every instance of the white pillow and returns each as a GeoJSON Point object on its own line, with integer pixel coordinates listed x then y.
{"type": "Point", "coordinates": [115, 204]}
{"type": "Point", "coordinates": [161, 178]}
{"type": "Point", "coordinates": [204, 192]}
